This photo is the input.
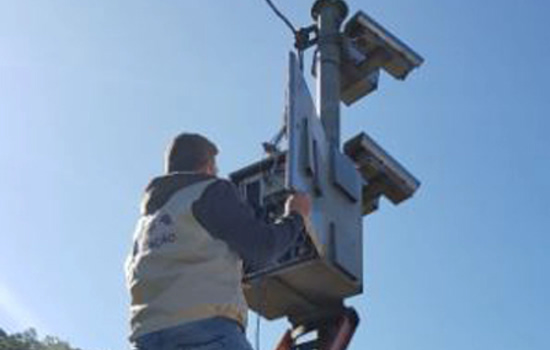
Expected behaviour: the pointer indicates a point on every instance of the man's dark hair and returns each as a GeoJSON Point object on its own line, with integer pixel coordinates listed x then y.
{"type": "Point", "coordinates": [189, 152]}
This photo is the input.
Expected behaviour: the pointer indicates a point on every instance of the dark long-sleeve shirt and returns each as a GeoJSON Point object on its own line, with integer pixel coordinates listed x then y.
{"type": "Point", "coordinates": [222, 212]}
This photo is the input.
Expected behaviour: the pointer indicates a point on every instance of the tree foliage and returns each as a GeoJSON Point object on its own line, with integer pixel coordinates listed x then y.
{"type": "Point", "coordinates": [28, 340]}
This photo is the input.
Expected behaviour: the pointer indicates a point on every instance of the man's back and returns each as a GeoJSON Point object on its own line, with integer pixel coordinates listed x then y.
{"type": "Point", "coordinates": [190, 243]}
{"type": "Point", "coordinates": [178, 272]}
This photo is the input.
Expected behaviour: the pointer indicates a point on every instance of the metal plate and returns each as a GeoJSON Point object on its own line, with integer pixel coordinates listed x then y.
{"type": "Point", "coordinates": [328, 176]}
{"type": "Point", "coordinates": [330, 270]}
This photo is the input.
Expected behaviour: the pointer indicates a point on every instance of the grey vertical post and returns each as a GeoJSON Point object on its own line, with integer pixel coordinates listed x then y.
{"type": "Point", "coordinates": [329, 15]}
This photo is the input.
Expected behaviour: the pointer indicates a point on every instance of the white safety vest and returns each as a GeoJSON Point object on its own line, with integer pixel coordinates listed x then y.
{"type": "Point", "coordinates": [178, 272]}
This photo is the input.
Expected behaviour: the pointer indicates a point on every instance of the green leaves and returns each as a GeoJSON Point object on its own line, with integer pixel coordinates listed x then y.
{"type": "Point", "coordinates": [28, 340]}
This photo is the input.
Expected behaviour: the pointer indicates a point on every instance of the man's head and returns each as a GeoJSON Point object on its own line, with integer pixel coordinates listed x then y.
{"type": "Point", "coordinates": [191, 153]}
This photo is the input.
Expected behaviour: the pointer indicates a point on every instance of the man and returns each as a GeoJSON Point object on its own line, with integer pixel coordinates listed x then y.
{"type": "Point", "coordinates": [194, 234]}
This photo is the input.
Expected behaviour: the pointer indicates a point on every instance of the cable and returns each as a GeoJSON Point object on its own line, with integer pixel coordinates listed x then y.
{"type": "Point", "coordinates": [302, 39]}
{"type": "Point", "coordinates": [282, 17]}
{"type": "Point", "coordinates": [261, 291]}
{"type": "Point", "coordinates": [257, 331]}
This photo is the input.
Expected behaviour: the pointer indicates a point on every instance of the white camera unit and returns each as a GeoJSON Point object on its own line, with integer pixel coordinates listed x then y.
{"type": "Point", "coordinates": [368, 47]}
{"type": "Point", "coordinates": [383, 174]}
{"type": "Point", "coordinates": [380, 47]}
{"type": "Point", "coordinates": [325, 265]}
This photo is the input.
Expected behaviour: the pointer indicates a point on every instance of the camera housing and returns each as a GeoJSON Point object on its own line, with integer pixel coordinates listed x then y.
{"type": "Point", "coordinates": [325, 266]}
{"type": "Point", "coordinates": [380, 47]}
{"type": "Point", "coordinates": [367, 48]}
{"type": "Point", "coordinates": [383, 174]}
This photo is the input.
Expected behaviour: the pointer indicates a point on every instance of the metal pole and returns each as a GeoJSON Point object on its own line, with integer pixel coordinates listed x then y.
{"type": "Point", "coordinates": [329, 15]}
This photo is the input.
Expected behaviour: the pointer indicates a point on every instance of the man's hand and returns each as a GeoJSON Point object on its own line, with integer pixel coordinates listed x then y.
{"type": "Point", "coordinates": [300, 203]}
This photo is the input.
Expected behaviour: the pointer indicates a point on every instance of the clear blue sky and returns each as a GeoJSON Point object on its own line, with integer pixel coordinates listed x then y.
{"type": "Point", "coordinates": [91, 92]}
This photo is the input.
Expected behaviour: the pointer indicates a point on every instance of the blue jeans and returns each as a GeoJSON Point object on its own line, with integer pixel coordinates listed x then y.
{"type": "Point", "coordinates": [210, 334]}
